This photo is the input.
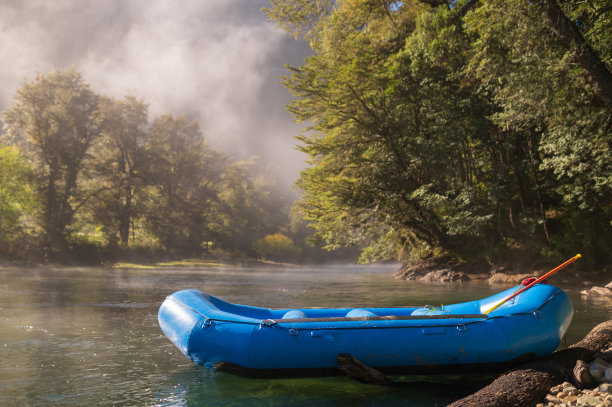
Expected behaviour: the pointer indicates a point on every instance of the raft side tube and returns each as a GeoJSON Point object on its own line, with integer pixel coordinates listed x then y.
{"type": "Point", "coordinates": [203, 332]}
{"type": "Point", "coordinates": [209, 330]}
{"type": "Point", "coordinates": [541, 327]}
{"type": "Point", "coordinates": [178, 322]}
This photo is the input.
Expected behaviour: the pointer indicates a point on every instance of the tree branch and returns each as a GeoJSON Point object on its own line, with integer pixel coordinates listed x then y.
{"type": "Point", "coordinates": [569, 36]}
{"type": "Point", "coordinates": [466, 7]}
{"type": "Point", "coordinates": [434, 3]}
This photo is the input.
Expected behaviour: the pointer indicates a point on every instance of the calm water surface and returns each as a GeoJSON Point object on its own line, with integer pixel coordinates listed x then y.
{"type": "Point", "coordinates": [89, 336]}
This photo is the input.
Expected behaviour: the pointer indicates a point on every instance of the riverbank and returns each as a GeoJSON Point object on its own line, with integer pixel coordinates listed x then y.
{"type": "Point", "coordinates": [590, 384]}
{"type": "Point", "coordinates": [201, 263]}
{"type": "Point", "coordinates": [572, 376]}
{"type": "Point", "coordinates": [153, 264]}
{"type": "Point", "coordinates": [447, 269]}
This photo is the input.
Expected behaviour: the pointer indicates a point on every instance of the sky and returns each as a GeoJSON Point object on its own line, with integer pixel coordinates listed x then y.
{"type": "Point", "coordinates": [216, 61]}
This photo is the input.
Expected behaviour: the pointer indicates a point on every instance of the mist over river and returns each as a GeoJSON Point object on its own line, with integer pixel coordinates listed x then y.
{"type": "Point", "coordinates": [89, 336]}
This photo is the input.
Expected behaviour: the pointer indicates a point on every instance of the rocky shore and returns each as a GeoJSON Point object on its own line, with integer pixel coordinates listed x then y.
{"type": "Point", "coordinates": [592, 385]}
{"type": "Point", "coordinates": [566, 395]}
{"type": "Point", "coordinates": [591, 379]}
{"type": "Point", "coordinates": [447, 269]}
{"type": "Point", "coordinates": [599, 294]}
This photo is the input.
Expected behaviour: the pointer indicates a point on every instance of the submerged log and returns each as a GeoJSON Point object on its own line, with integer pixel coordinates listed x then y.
{"type": "Point", "coordinates": [357, 370]}
{"type": "Point", "coordinates": [529, 383]}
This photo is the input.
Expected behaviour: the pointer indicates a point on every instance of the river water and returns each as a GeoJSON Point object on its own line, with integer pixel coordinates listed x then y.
{"type": "Point", "coordinates": [89, 336]}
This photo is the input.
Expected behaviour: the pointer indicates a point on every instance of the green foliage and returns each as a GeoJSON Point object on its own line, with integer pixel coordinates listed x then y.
{"type": "Point", "coordinates": [107, 182]}
{"type": "Point", "coordinates": [277, 247]}
{"type": "Point", "coordinates": [247, 207]}
{"type": "Point", "coordinates": [181, 171]}
{"type": "Point", "coordinates": [117, 186]}
{"type": "Point", "coordinates": [298, 17]}
{"type": "Point", "coordinates": [539, 92]}
{"type": "Point", "coordinates": [18, 201]}
{"type": "Point", "coordinates": [467, 129]}
{"type": "Point", "coordinates": [53, 122]}
{"type": "Point", "coordinates": [479, 128]}
{"type": "Point", "coordinates": [593, 17]}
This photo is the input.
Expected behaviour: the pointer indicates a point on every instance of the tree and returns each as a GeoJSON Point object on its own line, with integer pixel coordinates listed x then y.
{"type": "Point", "coordinates": [386, 152]}
{"type": "Point", "coordinates": [53, 122]}
{"type": "Point", "coordinates": [299, 17]}
{"type": "Point", "coordinates": [539, 93]}
{"type": "Point", "coordinates": [181, 173]}
{"type": "Point", "coordinates": [247, 207]}
{"type": "Point", "coordinates": [440, 126]}
{"type": "Point", "coordinates": [570, 37]}
{"type": "Point", "coordinates": [277, 247]}
{"type": "Point", "coordinates": [89, 172]}
{"type": "Point", "coordinates": [18, 201]}
{"type": "Point", "coordinates": [119, 165]}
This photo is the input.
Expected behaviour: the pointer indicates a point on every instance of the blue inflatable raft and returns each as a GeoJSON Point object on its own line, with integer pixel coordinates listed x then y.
{"type": "Point", "coordinates": [261, 342]}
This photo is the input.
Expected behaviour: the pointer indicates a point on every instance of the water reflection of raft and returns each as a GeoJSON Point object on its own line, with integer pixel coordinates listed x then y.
{"type": "Point", "coordinates": [261, 342]}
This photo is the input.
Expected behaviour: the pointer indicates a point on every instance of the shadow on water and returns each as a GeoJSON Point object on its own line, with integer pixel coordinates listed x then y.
{"type": "Point", "coordinates": [89, 336]}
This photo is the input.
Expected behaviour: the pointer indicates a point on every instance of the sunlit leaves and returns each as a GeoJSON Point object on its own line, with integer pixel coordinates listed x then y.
{"type": "Point", "coordinates": [180, 175]}
{"type": "Point", "coordinates": [53, 121]}
{"type": "Point", "coordinates": [18, 201]}
{"type": "Point", "coordinates": [108, 180]}
{"type": "Point", "coordinates": [436, 128]}
{"type": "Point", "coordinates": [120, 161]}
{"type": "Point", "coordinates": [299, 17]}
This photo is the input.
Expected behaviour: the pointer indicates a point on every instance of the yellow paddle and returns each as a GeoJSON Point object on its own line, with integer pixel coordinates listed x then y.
{"type": "Point", "coordinates": [550, 273]}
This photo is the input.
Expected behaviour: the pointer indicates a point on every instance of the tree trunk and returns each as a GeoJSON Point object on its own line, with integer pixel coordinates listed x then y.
{"type": "Point", "coordinates": [569, 35]}
{"type": "Point", "coordinates": [53, 215]}
{"type": "Point", "coordinates": [125, 218]}
{"type": "Point", "coordinates": [528, 384]}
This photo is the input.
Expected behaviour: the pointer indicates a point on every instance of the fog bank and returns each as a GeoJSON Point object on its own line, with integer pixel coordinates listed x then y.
{"type": "Point", "coordinates": [217, 61]}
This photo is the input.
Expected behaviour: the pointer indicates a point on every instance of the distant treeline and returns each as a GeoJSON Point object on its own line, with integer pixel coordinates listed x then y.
{"type": "Point", "coordinates": [86, 178]}
{"type": "Point", "coordinates": [479, 128]}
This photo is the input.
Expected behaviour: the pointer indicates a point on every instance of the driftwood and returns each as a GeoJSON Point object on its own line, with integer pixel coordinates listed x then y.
{"type": "Point", "coordinates": [529, 383]}
{"type": "Point", "coordinates": [581, 375]}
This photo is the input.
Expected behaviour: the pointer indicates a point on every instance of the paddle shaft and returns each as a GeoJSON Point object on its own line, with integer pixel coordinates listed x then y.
{"type": "Point", "coordinates": [545, 276]}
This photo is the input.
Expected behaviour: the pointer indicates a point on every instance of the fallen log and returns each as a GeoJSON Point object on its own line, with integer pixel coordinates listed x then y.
{"type": "Point", "coordinates": [528, 384]}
